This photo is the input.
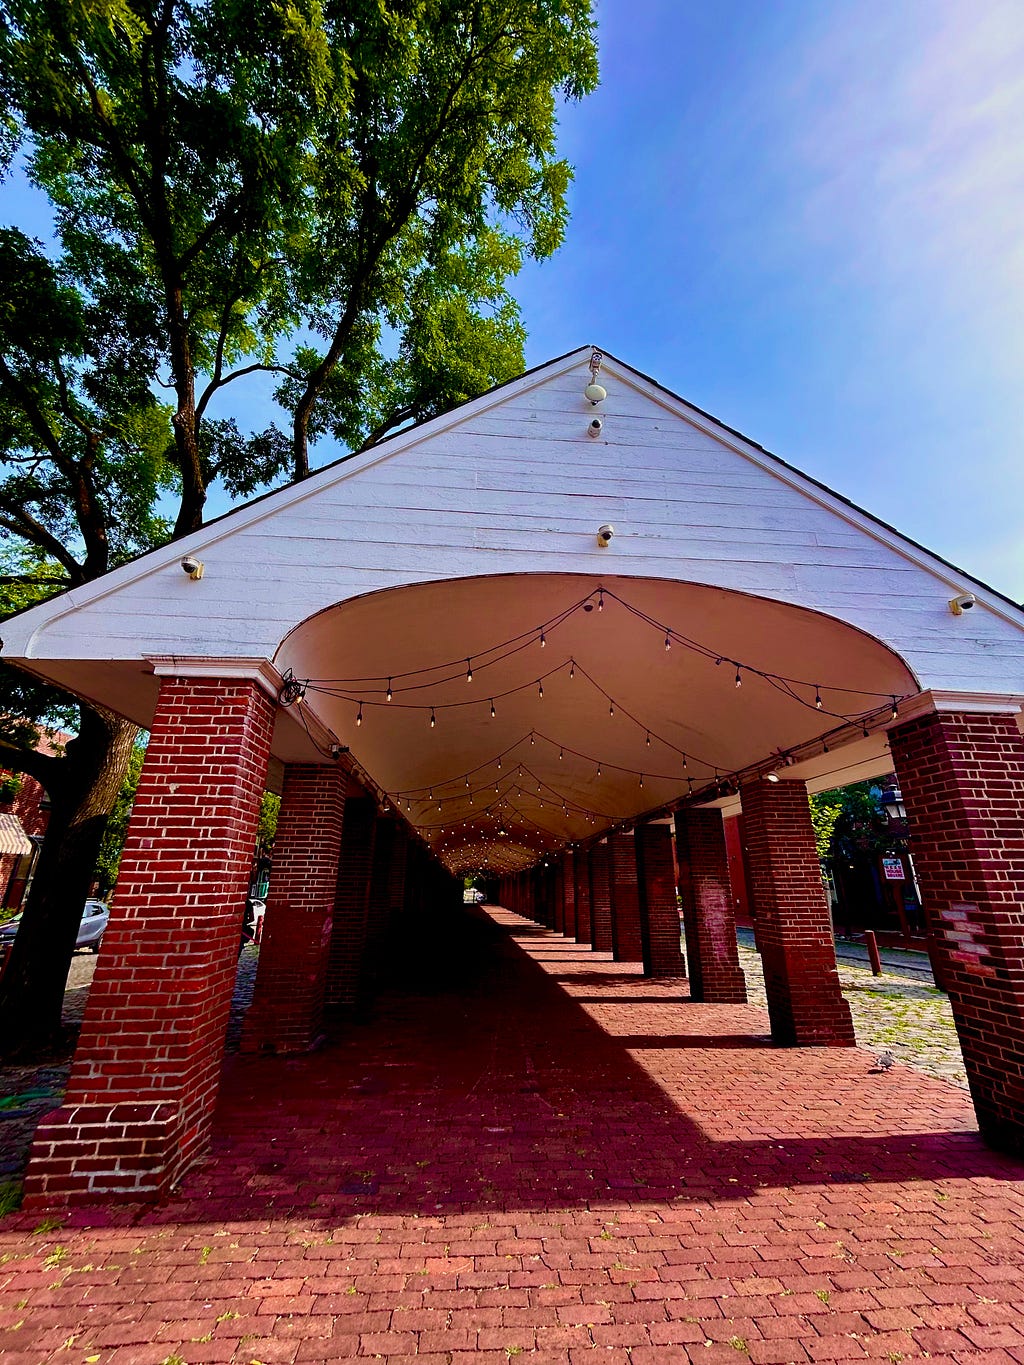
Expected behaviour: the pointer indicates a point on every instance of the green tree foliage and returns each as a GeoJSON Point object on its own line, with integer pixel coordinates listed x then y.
{"type": "Point", "coordinates": [850, 820]}
{"type": "Point", "coordinates": [108, 860]}
{"type": "Point", "coordinates": [825, 812]}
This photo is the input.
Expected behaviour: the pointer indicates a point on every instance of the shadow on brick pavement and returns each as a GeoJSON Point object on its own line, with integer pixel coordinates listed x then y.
{"type": "Point", "coordinates": [549, 1157]}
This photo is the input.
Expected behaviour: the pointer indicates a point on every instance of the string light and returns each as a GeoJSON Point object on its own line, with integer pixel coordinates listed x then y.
{"type": "Point", "coordinates": [668, 642]}
{"type": "Point", "coordinates": [493, 712]}
{"type": "Point", "coordinates": [469, 671]}
{"type": "Point", "coordinates": [817, 698]}
{"type": "Point", "coordinates": [611, 707]}
{"type": "Point", "coordinates": [359, 714]}
{"type": "Point", "coordinates": [600, 599]}
{"type": "Point", "coordinates": [895, 709]}
{"type": "Point", "coordinates": [389, 693]}
{"type": "Point", "coordinates": [540, 689]}
{"type": "Point", "coordinates": [739, 680]}
{"type": "Point", "coordinates": [433, 718]}
{"type": "Point", "coordinates": [641, 779]}
{"type": "Point", "coordinates": [572, 669]}
{"type": "Point", "coordinates": [543, 641]}
{"type": "Point", "coordinates": [648, 739]}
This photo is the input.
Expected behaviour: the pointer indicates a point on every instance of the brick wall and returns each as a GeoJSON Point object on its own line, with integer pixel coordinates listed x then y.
{"type": "Point", "coordinates": [600, 898]}
{"type": "Point", "coordinates": [581, 874]}
{"type": "Point", "coordinates": [568, 866]}
{"type": "Point", "coordinates": [708, 914]}
{"type": "Point", "coordinates": [627, 945]}
{"type": "Point", "coordinates": [962, 778]}
{"type": "Point", "coordinates": [144, 1080]}
{"type": "Point", "coordinates": [794, 931]}
{"type": "Point", "coordinates": [659, 915]}
{"type": "Point", "coordinates": [287, 1009]}
{"type": "Point", "coordinates": [352, 899]}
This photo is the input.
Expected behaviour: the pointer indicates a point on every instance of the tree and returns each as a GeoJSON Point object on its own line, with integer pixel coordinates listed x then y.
{"type": "Point", "coordinates": [84, 445]}
{"type": "Point", "coordinates": [225, 175]}
{"type": "Point", "coordinates": [108, 860]}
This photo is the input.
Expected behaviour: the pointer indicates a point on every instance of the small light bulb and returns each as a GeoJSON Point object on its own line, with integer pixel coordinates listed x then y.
{"type": "Point", "coordinates": [572, 669]}
{"type": "Point", "coordinates": [895, 709]}
{"type": "Point", "coordinates": [817, 698]}
{"type": "Point", "coordinates": [611, 708]}
{"type": "Point", "coordinates": [648, 739]}
{"type": "Point", "coordinates": [359, 714]}
{"type": "Point", "coordinates": [739, 680]}
{"type": "Point", "coordinates": [599, 770]}
{"type": "Point", "coordinates": [600, 599]}
{"type": "Point", "coordinates": [540, 688]}
{"type": "Point", "coordinates": [469, 671]}
{"type": "Point", "coordinates": [493, 712]}
{"type": "Point", "coordinates": [433, 718]}
{"type": "Point", "coordinates": [389, 694]}
{"type": "Point", "coordinates": [668, 643]}
{"type": "Point", "coordinates": [641, 779]}
{"type": "Point", "coordinates": [543, 642]}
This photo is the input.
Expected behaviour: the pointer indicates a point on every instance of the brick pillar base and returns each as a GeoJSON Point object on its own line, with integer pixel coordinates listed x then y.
{"type": "Point", "coordinates": [140, 1099]}
{"type": "Point", "coordinates": [794, 932]}
{"type": "Point", "coordinates": [352, 899]}
{"type": "Point", "coordinates": [600, 898]}
{"type": "Point", "coordinates": [288, 1003]}
{"type": "Point", "coordinates": [962, 778]}
{"type": "Point", "coordinates": [581, 872]}
{"type": "Point", "coordinates": [708, 914]}
{"type": "Point", "coordinates": [558, 892]}
{"type": "Point", "coordinates": [627, 944]}
{"type": "Point", "coordinates": [659, 914]}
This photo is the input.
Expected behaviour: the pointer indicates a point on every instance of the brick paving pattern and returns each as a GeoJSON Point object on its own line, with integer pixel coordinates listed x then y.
{"type": "Point", "coordinates": [912, 1020]}
{"type": "Point", "coordinates": [537, 1152]}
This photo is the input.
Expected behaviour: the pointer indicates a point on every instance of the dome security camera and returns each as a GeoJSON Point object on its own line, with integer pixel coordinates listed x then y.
{"type": "Point", "coordinates": [596, 427]}
{"type": "Point", "coordinates": [193, 567]}
{"type": "Point", "coordinates": [604, 535]}
{"type": "Point", "coordinates": [963, 602]}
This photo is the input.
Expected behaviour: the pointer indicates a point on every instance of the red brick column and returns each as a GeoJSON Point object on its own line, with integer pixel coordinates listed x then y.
{"type": "Point", "coordinates": [627, 945]}
{"type": "Point", "coordinates": [558, 893]}
{"type": "Point", "coordinates": [794, 931]}
{"type": "Point", "coordinates": [659, 915]}
{"type": "Point", "coordinates": [600, 898]}
{"type": "Point", "coordinates": [708, 911]}
{"type": "Point", "coordinates": [962, 778]}
{"type": "Point", "coordinates": [581, 872]}
{"type": "Point", "coordinates": [144, 1081]}
{"type": "Point", "coordinates": [288, 1002]}
{"type": "Point", "coordinates": [352, 898]}
{"type": "Point", "coordinates": [568, 880]}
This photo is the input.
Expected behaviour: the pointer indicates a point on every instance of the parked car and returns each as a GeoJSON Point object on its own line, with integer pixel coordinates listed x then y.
{"type": "Point", "coordinates": [95, 916]}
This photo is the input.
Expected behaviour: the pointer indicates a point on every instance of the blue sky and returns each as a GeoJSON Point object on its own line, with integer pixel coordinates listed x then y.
{"type": "Point", "coordinates": [807, 217]}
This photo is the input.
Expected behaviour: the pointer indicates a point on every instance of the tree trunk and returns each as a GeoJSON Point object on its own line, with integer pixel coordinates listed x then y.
{"type": "Point", "coordinates": [82, 790]}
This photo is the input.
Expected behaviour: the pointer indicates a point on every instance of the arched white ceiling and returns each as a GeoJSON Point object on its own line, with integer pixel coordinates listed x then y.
{"type": "Point", "coordinates": [601, 691]}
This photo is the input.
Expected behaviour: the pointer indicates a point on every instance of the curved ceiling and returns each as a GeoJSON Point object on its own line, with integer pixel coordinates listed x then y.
{"type": "Point", "coordinates": [594, 720]}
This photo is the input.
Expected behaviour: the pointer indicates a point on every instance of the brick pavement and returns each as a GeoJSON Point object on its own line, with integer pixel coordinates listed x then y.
{"type": "Point", "coordinates": [909, 1018]}
{"type": "Point", "coordinates": [531, 1150]}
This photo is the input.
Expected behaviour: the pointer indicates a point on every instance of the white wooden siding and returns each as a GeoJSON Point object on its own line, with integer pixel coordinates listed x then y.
{"type": "Point", "coordinates": [513, 484]}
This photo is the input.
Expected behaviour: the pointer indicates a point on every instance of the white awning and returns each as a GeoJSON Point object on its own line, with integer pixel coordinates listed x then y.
{"type": "Point", "coordinates": [13, 838]}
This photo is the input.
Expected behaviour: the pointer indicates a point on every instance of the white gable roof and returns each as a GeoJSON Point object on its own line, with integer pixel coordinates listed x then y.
{"type": "Point", "coordinates": [511, 483]}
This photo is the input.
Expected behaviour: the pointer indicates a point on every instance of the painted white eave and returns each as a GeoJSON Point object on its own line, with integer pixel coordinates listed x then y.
{"type": "Point", "coordinates": [20, 632]}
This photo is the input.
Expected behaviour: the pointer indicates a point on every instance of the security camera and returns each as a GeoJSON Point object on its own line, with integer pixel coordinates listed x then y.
{"type": "Point", "coordinates": [965, 601]}
{"type": "Point", "coordinates": [604, 535]}
{"type": "Point", "coordinates": [596, 427]}
{"type": "Point", "coordinates": [192, 566]}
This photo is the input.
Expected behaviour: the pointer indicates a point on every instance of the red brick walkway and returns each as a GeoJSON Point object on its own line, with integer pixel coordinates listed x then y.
{"type": "Point", "coordinates": [542, 1154]}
